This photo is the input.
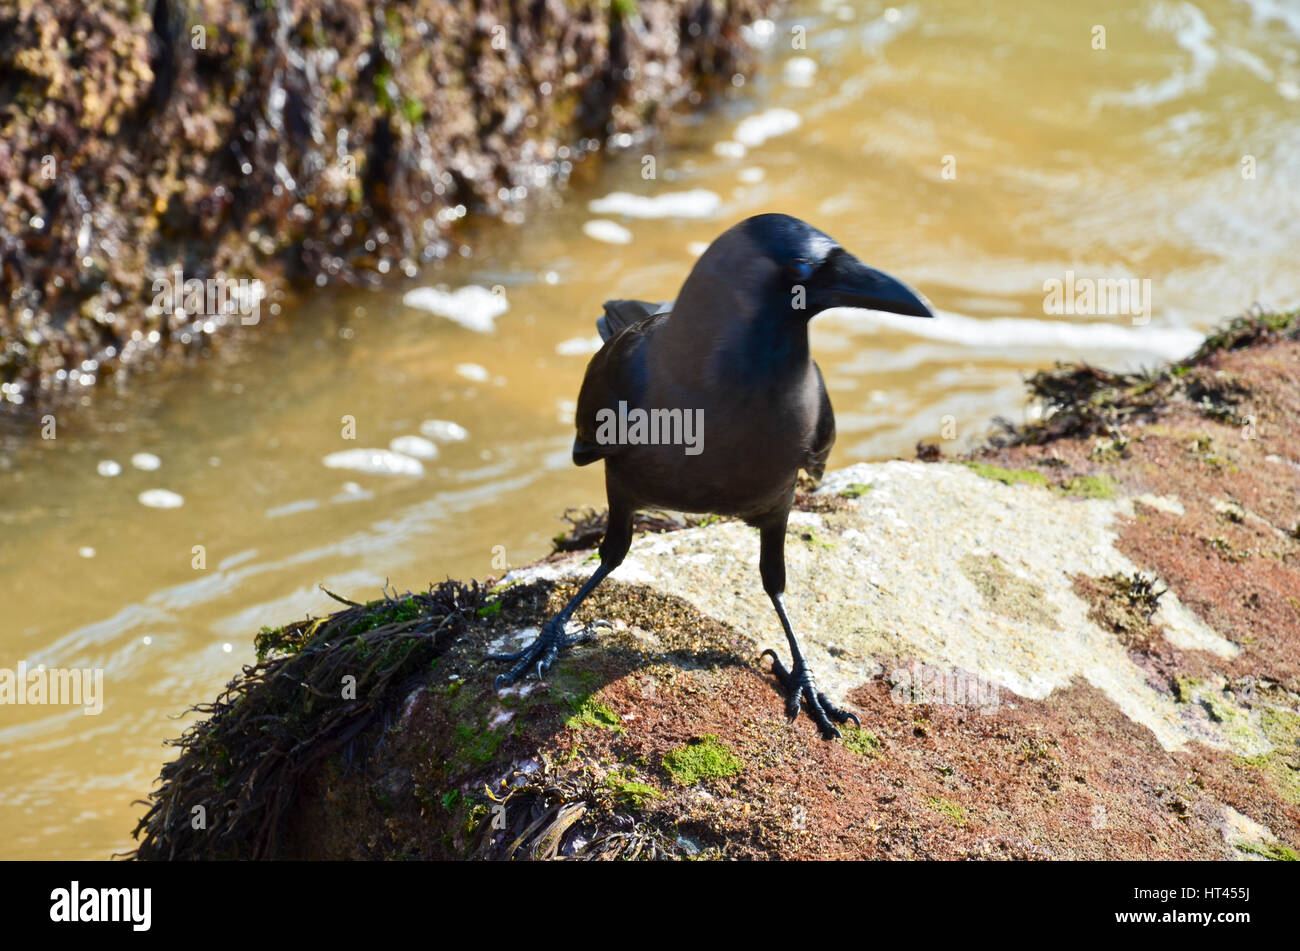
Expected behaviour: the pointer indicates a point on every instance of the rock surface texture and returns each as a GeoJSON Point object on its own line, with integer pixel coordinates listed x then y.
{"type": "Point", "coordinates": [1082, 644]}
{"type": "Point", "coordinates": [310, 141]}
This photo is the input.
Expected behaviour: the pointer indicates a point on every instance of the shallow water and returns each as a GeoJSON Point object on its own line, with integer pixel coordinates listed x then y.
{"type": "Point", "coordinates": [974, 153]}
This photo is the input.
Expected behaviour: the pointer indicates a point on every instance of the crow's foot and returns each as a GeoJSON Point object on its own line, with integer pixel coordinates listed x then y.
{"type": "Point", "coordinates": [800, 690]}
{"type": "Point", "coordinates": [541, 653]}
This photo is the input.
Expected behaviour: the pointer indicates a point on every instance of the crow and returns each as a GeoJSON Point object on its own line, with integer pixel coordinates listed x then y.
{"type": "Point", "coordinates": [730, 354]}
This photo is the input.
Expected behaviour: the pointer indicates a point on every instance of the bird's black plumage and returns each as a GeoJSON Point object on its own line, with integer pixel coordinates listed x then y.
{"type": "Point", "coordinates": [732, 351]}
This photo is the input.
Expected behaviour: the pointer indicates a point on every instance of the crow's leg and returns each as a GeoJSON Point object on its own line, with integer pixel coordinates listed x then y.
{"type": "Point", "coordinates": [797, 682]}
{"type": "Point", "coordinates": [541, 653]}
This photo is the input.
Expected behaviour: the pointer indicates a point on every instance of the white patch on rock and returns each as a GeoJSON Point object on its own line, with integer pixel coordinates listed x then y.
{"type": "Point", "coordinates": [408, 705]}
{"type": "Point", "coordinates": [509, 643]}
{"type": "Point", "coordinates": [1163, 503]}
{"type": "Point", "coordinates": [888, 579]}
{"type": "Point", "coordinates": [1240, 831]}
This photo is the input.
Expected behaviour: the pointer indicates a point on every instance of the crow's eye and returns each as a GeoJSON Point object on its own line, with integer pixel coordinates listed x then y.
{"type": "Point", "coordinates": [802, 269]}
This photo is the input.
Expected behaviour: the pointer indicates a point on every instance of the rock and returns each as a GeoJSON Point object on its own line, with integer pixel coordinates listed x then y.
{"type": "Point", "coordinates": [320, 141]}
{"type": "Point", "coordinates": [1083, 644]}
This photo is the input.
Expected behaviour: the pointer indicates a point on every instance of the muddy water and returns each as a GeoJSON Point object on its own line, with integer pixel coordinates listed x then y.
{"type": "Point", "coordinates": [977, 151]}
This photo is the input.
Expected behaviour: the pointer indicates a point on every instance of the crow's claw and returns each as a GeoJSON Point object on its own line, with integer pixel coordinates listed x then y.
{"type": "Point", "coordinates": [542, 652]}
{"type": "Point", "coordinates": [801, 693]}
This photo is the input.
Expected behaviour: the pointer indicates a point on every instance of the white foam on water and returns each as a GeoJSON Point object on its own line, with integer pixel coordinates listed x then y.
{"type": "Point", "coordinates": [611, 232]}
{"type": "Point", "coordinates": [375, 462]}
{"type": "Point", "coordinates": [417, 447]}
{"type": "Point", "coordinates": [886, 28]}
{"type": "Point", "coordinates": [1264, 12]}
{"type": "Point", "coordinates": [293, 508]}
{"type": "Point", "coordinates": [576, 346]}
{"type": "Point", "coordinates": [444, 430]}
{"type": "Point", "coordinates": [161, 499]}
{"type": "Point", "coordinates": [108, 468]}
{"type": "Point", "coordinates": [1195, 36]}
{"type": "Point", "coordinates": [768, 124]}
{"type": "Point", "coordinates": [473, 371]}
{"type": "Point", "coordinates": [799, 71]}
{"type": "Point", "coordinates": [1017, 333]}
{"type": "Point", "coordinates": [146, 461]}
{"type": "Point", "coordinates": [473, 307]}
{"type": "Point", "coordinates": [696, 203]}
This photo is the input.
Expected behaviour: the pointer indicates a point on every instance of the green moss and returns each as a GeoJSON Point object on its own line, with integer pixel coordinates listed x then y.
{"type": "Point", "coordinates": [702, 758]}
{"type": "Point", "coordinates": [572, 690]}
{"type": "Point", "coordinates": [808, 534]}
{"type": "Point", "coordinates": [477, 745]}
{"type": "Point", "coordinates": [1275, 852]}
{"type": "Point", "coordinates": [1185, 687]}
{"type": "Point", "coordinates": [624, 9]}
{"type": "Point", "coordinates": [490, 609]}
{"type": "Point", "coordinates": [1281, 767]}
{"type": "Point", "coordinates": [861, 742]}
{"type": "Point", "coordinates": [1090, 487]}
{"type": "Point", "coordinates": [947, 807]}
{"type": "Point", "coordinates": [629, 792]}
{"type": "Point", "coordinates": [1226, 550]}
{"type": "Point", "coordinates": [591, 713]}
{"type": "Point", "coordinates": [1006, 476]}
{"type": "Point", "coordinates": [855, 490]}
{"type": "Point", "coordinates": [271, 640]}
{"type": "Point", "coordinates": [386, 611]}
{"type": "Point", "coordinates": [1282, 727]}
{"type": "Point", "coordinates": [1245, 330]}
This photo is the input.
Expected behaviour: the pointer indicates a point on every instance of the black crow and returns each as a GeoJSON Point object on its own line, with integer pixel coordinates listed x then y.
{"type": "Point", "coordinates": [713, 404]}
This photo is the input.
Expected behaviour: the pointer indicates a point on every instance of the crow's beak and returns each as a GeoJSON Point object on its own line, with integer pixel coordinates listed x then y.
{"type": "Point", "coordinates": [853, 284]}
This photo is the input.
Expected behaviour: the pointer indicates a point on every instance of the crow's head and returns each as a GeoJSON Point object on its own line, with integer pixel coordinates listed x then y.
{"type": "Point", "coordinates": [780, 263]}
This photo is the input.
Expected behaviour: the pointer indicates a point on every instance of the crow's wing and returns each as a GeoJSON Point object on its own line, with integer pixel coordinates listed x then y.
{"type": "Point", "coordinates": [824, 436]}
{"type": "Point", "coordinates": [624, 313]}
{"type": "Point", "coordinates": [618, 372]}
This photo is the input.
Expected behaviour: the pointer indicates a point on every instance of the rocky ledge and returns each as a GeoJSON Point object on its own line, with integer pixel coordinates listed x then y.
{"type": "Point", "coordinates": [1080, 642]}
{"type": "Point", "coordinates": [253, 147]}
